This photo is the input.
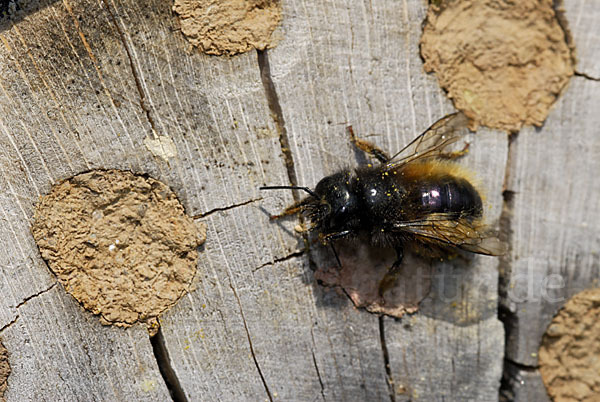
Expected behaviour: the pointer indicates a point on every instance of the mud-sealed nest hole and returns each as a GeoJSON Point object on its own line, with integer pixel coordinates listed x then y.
{"type": "Point", "coordinates": [569, 357]}
{"type": "Point", "coordinates": [119, 243]}
{"type": "Point", "coordinates": [503, 63]}
{"type": "Point", "coordinates": [229, 27]}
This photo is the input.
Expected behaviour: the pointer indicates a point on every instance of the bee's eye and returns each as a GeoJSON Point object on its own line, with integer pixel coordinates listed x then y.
{"type": "Point", "coordinates": [338, 219]}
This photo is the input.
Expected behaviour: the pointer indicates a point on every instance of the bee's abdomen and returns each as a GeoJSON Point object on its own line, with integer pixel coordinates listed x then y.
{"type": "Point", "coordinates": [449, 195]}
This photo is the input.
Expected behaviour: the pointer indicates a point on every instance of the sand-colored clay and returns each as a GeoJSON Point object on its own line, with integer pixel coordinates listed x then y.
{"type": "Point", "coordinates": [120, 243]}
{"type": "Point", "coordinates": [228, 27]}
{"type": "Point", "coordinates": [4, 371]}
{"type": "Point", "coordinates": [569, 357]}
{"type": "Point", "coordinates": [362, 268]}
{"type": "Point", "coordinates": [503, 63]}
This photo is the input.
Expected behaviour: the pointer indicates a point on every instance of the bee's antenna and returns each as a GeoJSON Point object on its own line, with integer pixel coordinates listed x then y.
{"type": "Point", "coordinates": [337, 258]}
{"type": "Point", "coordinates": [308, 190]}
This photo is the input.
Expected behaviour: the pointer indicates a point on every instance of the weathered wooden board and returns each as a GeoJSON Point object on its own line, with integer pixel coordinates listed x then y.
{"type": "Point", "coordinates": [581, 20]}
{"type": "Point", "coordinates": [118, 73]}
{"type": "Point", "coordinates": [81, 94]}
{"type": "Point", "coordinates": [58, 353]}
{"type": "Point", "coordinates": [83, 84]}
{"type": "Point", "coordinates": [554, 219]}
{"type": "Point", "coordinates": [362, 68]}
{"type": "Point", "coordinates": [554, 211]}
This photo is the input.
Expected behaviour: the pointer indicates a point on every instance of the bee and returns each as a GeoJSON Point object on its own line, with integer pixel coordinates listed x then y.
{"type": "Point", "coordinates": [418, 196]}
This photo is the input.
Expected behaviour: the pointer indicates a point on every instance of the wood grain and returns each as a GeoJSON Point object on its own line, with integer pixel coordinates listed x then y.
{"type": "Point", "coordinates": [553, 212]}
{"type": "Point", "coordinates": [360, 69]}
{"type": "Point", "coordinates": [85, 85]}
{"type": "Point", "coordinates": [581, 17]}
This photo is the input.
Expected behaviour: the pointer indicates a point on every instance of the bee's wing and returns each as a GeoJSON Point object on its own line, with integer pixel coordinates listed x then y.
{"type": "Point", "coordinates": [433, 141]}
{"type": "Point", "coordinates": [447, 230]}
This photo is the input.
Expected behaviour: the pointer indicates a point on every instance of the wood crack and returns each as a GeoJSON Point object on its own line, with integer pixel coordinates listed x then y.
{"type": "Point", "coordinates": [281, 259]}
{"type": "Point", "coordinates": [512, 378]}
{"type": "Point", "coordinates": [9, 324]}
{"type": "Point", "coordinates": [227, 208]}
{"type": "Point", "coordinates": [586, 76]}
{"type": "Point", "coordinates": [277, 114]}
{"type": "Point", "coordinates": [504, 269]}
{"type": "Point", "coordinates": [166, 369]}
{"type": "Point", "coordinates": [505, 225]}
{"type": "Point", "coordinates": [262, 377]}
{"type": "Point", "coordinates": [521, 366]}
{"type": "Point", "coordinates": [134, 71]}
{"type": "Point", "coordinates": [312, 337]}
{"type": "Point", "coordinates": [41, 292]}
{"type": "Point", "coordinates": [386, 359]}
{"type": "Point", "coordinates": [318, 374]}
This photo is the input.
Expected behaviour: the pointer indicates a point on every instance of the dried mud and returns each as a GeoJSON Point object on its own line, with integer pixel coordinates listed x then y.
{"type": "Point", "coordinates": [229, 27]}
{"type": "Point", "coordinates": [502, 63]}
{"type": "Point", "coordinates": [119, 243]}
{"type": "Point", "coordinates": [569, 357]}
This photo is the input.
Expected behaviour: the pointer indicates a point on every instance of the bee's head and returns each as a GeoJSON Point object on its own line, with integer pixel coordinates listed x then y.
{"type": "Point", "coordinates": [335, 205]}
{"type": "Point", "coordinates": [332, 206]}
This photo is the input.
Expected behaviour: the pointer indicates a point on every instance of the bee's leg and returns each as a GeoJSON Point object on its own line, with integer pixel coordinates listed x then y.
{"type": "Point", "coordinates": [390, 277]}
{"type": "Point", "coordinates": [367, 147]}
{"type": "Point", "coordinates": [325, 239]}
{"type": "Point", "coordinates": [337, 257]}
{"type": "Point", "coordinates": [456, 154]}
{"type": "Point", "coordinates": [291, 210]}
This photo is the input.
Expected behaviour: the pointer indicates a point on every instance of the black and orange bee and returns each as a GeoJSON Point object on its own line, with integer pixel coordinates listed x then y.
{"type": "Point", "coordinates": [417, 196]}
